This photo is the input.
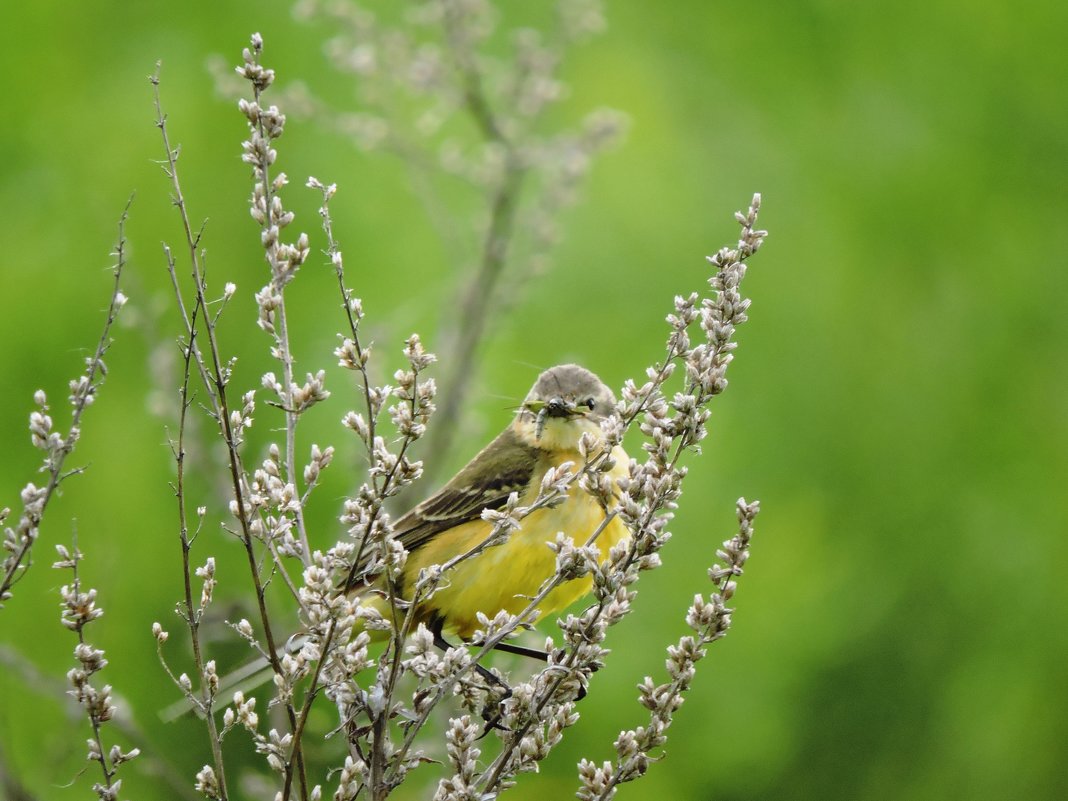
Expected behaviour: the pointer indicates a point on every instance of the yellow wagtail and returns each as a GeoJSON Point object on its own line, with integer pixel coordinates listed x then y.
{"type": "Point", "coordinates": [565, 402]}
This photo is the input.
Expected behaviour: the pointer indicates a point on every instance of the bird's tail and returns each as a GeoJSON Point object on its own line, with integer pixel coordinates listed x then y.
{"type": "Point", "coordinates": [258, 671]}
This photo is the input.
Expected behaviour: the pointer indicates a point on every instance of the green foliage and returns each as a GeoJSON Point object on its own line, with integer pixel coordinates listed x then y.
{"type": "Point", "coordinates": [896, 404]}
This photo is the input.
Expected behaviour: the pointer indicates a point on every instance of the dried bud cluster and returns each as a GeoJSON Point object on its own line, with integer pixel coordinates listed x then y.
{"type": "Point", "coordinates": [266, 125]}
{"type": "Point", "coordinates": [461, 738]}
{"type": "Point", "coordinates": [710, 620]}
{"type": "Point", "coordinates": [79, 609]}
{"type": "Point", "coordinates": [208, 784]}
{"type": "Point", "coordinates": [242, 418]}
{"type": "Point", "coordinates": [207, 572]}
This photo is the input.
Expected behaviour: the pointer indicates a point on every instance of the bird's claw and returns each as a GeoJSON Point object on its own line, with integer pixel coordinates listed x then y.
{"type": "Point", "coordinates": [493, 712]}
{"type": "Point", "coordinates": [493, 721]}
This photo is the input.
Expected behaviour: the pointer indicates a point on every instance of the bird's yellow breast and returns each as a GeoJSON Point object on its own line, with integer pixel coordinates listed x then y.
{"type": "Point", "coordinates": [508, 575]}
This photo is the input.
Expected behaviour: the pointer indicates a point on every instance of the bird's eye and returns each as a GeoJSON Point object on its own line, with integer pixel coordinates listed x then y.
{"type": "Point", "coordinates": [588, 403]}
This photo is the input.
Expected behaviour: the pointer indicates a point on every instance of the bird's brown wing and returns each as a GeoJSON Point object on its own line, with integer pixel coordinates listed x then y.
{"type": "Point", "coordinates": [501, 468]}
{"type": "Point", "coordinates": [504, 466]}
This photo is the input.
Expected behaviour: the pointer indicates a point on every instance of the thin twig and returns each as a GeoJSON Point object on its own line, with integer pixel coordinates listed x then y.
{"type": "Point", "coordinates": [81, 398]}
{"type": "Point", "coordinates": [192, 616]}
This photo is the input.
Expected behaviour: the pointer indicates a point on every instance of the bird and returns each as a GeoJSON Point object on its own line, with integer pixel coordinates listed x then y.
{"type": "Point", "coordinates": [565, 403]}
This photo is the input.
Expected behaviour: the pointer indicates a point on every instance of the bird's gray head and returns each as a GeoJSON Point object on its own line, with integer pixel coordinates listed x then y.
{"type": "Point", "coordinates": [568, 391]}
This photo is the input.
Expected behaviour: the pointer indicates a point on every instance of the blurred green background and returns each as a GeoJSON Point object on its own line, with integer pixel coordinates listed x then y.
{"type": "Point", "coordinates": [897, 404]}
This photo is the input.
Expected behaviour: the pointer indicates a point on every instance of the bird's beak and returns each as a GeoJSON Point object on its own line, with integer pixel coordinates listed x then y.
{"type": "Point", "coordinates": [558, 407]}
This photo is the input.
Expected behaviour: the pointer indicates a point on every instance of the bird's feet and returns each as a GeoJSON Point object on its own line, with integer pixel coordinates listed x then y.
{"type": "Point", "coordinates": [493, 711]}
